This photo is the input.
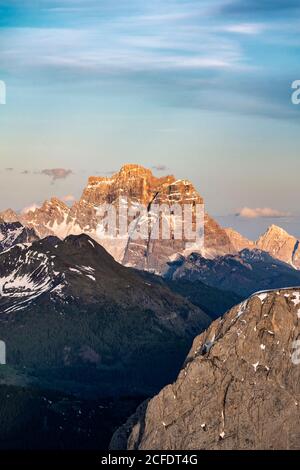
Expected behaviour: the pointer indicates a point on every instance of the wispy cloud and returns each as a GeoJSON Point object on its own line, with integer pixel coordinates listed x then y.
{"type": "Point", "coordinates": [68, 198]}
{"type": "Point", "coordinates": [83, 50]}
{"type": "Point", "coordinates": [57, 173]}
{"type": "Point", "coordinates": [245, 28]}
{"type": "Point", "coordinates": [255, 7]}
{"type": "Point", "coordinates": [160, 168]}
{"type": "Point", "coordinates": [264, 212]}
{"type": "Point", "coordinates": [164, 46]}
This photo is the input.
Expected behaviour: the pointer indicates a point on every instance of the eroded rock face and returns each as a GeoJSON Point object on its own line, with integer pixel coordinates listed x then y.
{"type": "Point", "coordinates": [132, 181]}
{"type": "Point", "coordinates": [238, 241]}
{"type": "Point", "coordinates": [239, 387]}
{"type": "Point", "coordinates": [135, 186]}
{"type": "Point", "coordinates": [49, 219]}
{"type": "Point", "coordinates": [275, 241]}
{"type": "Point", "coordinates": [13, 233]}
{"type": "Point", "coordinates": [132, 185]}
{"type": "Point", "coordinates": [9, 216]}
{"type": "Point", "coordinates": [281, 245]}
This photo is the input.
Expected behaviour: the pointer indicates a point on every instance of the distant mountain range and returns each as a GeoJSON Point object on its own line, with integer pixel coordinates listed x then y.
{"type": "Point", "coordinates": [73, 316]}
{"type": "Point", "coordinates": [101, 324]}
{"type": "Point", "coordinates": [243, 273]}
{"type": "Point", "coordinates": [139, 186]}
{"type": "Point", "coordinates": [66, 303]}
{"type": "Point", "coordinates": [87, 338]}
{"type": "Point", "coordinates": [275, 241]}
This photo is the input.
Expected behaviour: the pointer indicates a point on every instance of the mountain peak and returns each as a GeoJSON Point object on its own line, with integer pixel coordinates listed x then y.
{"type": "Point", "coordinates": [14, 233]}
{"type": "Point", "coordinates": [276, 229]}
{"type": "Point", "coordinates": [54, 201]}
{"type": "Point", "coordinates": [84, 241]}
{"type": "Point", "coordinates": [129, 167]}
{"type": "Point", "coordinates": [9, 216]}
{"type": "Point", "coordinates": [239, 241]}
{"type": "Point", "coordinates": [275, 241]}
{"type": "Point", "coordinates": [136, 185]}
{"type": "Point", "coordinates": [281, 245]}
{"type": "Point", "coordinates": [275, 235]}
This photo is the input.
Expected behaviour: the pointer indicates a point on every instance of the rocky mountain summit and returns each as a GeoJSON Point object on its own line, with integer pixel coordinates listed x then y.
{"type": "Point", "coordinates": [132, 186]}
{"type": "Point", "coordinates": [238, 389]}
{"type": "Point", "coordinates": [275, 241]}
{"type": "Point", "coordinates": [13, 233]}
{"type": "Point", "coordinates": [238, 241]}
{"type": "Point", "coordinates": [9, 216]}
{"type": "Point", "coordinates": [49, 219]}
{"type": "Point", "coordinates": [281, 245]}
{"type": "Point", "coordinates": [127, 191]}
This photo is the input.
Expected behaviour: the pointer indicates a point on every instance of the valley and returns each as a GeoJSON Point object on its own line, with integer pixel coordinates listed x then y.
{"type": "Point", "coordinates": [95, 329]}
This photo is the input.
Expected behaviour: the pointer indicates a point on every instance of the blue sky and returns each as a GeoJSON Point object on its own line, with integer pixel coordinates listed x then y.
{"type": "Point", "coordinates": [199, 88]}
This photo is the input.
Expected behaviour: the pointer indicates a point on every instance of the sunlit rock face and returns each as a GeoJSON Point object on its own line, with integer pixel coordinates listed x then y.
{"type": "Point", "coordinates": [133, 186]}
{"type": "Point", "coordinates": [281, 245]}
{"type": "Point", "coordinates": [238, 241]}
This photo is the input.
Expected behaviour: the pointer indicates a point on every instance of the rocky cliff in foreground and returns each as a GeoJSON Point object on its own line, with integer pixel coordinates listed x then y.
{"type": "Point", "coordinates": [239, 387]}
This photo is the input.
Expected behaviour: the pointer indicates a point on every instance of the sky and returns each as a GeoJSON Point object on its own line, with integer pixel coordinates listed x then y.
{"type": "Point", "coordinates": [196, 88]}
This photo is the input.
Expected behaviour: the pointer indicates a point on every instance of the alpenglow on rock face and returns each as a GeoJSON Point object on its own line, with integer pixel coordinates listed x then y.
{"type": "Point", "coordinates": [281, 245]}
{"type": "Point", "coordinates": [239, 242]}
{"type": "Point", "coordinates": [135, 185]}
{"type": "Point", "coordinates": [9, 216]}
{"type": "Point", "coordinates": [239, 387]}
{"type": "Point", "coordinates": [275, 241]}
